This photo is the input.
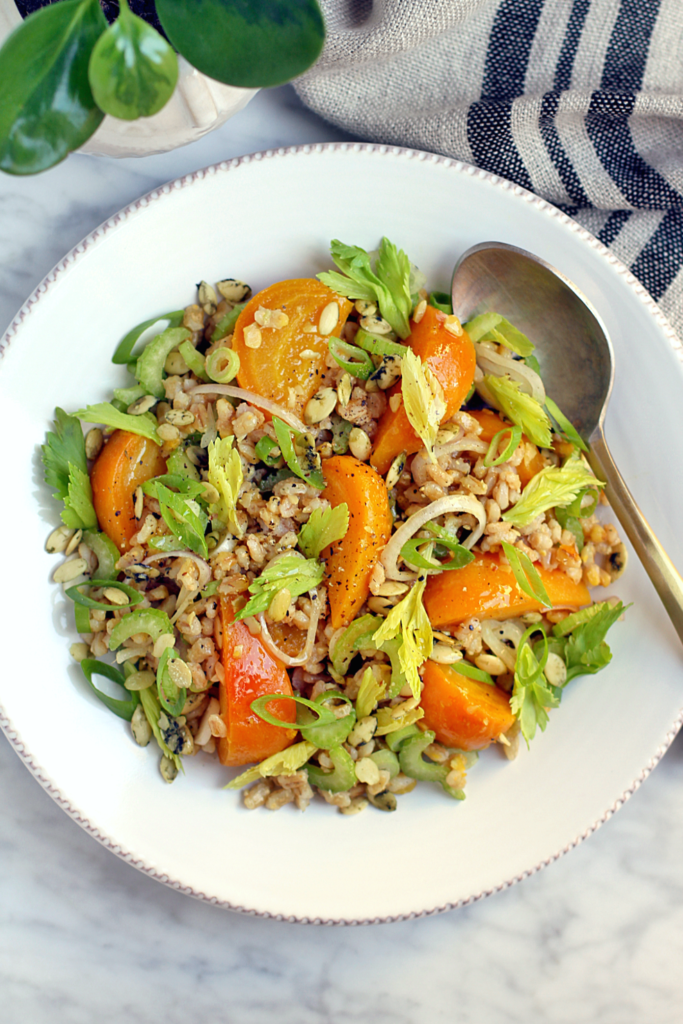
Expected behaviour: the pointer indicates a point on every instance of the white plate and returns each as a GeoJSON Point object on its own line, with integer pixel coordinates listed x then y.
{"type": "Point", "coordinates": [264, 218]}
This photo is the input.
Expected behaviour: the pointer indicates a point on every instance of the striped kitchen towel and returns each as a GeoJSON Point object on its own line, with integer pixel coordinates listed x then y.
{"type": "Point", "coordinates": [579, 101]}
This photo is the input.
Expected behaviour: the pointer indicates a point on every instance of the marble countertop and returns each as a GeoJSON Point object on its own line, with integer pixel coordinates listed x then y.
{"type": "Point", "coordinates": [596, 938]}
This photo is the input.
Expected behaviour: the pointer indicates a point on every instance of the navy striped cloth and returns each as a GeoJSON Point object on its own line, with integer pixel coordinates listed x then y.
{"type": "Point", "coordinates": [579, 101]}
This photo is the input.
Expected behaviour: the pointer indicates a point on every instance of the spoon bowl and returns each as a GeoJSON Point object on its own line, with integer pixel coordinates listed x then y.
{"type": "Point", "coordinates": [577, 367]}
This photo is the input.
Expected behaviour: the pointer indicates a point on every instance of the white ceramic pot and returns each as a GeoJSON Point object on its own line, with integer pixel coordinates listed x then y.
{"type": "Point", "coordinates": [198, 105]}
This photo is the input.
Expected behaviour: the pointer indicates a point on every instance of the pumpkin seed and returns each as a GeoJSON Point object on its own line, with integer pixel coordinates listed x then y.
{"type": "Point", "coordinates": [168, 769]}
{"type": "Point", "coordinates": [233, 290]}
{"type": "Point", "coordinates": [180, 673]}
{"type": "Point", "coordinates": [279, 606]}
{"type": "Point", "coordinates": [392, 588]}
{"type": "Point", "coordinates": [419, 311]}
{"type": "Point", "coordinates": [344, 389]}
{"type": "Point", "coordinates": [320, 406]}
{"type": "Point", "coordinates": [79, 651]}
{"type": "Point", "coordinates": [360, 444]}
{"type": "Point", "coordinates": [58, 540]}
{"type": "Point", "coordinates": [115, 596]}
{"type": "Point", "coordinates": [180, 417]}
{"type": "Point", "coordinates": [94, 440]}
{"type": "Point", "coordinates": [375, 324]}
{"type": "Point", "coordinates": [444, 654]}
{"type": "Point", "coordinates": [140, 680]}
{"type": "Point", "coordinates": [383, 801]}
{"type": "Point", "coordinates": [252, 336]}
{"type": "Point", "coordinates": [141, 405]}
{"type": "Point", "coordinates": [329, 318]}
{"type": "Point", "coordinates": [207, 295]}
{"type": "Point", "coordinates": [168, 432]}
{"type": "Point", "coordinates": [175, 364]}
{"type": "Point", "coordinates": [364, 307]}
{"type": "Point", "coordinates": [140, 727]}
{"type": "Point", "coordinates": [74, 541]}
{"type": "Point", "coordinates": [68, 571]}
{"type": "Point", "coordinates": [555, 670]}
{"type": "Point", "coordinates": [395, 470]}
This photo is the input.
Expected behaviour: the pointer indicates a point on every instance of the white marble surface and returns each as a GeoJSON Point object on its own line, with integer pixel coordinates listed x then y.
{"type": "Point", "coordinates": [596, 938]}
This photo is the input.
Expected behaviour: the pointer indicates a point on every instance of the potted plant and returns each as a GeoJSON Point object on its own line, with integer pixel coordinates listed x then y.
{"type": "Point", "coordinates": [158, 73]}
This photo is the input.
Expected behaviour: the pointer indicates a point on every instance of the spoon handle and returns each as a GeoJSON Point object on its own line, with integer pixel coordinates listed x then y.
{"type": "Point", "coordinates": [663, 574]}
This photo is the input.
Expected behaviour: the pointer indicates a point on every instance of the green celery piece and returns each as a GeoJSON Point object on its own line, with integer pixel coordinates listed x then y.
{"type": "Point", "coordinates": [395, 740]}
{"type": "Point", "coordinates": [104, 412]}
{"type": "Point", "coordinates": [408, 622]}
{"type": "Point", "coordinates": [194, 359]}
{"type": "Point", "coordinates": [132, 71]}
{"type": "Point", "coordinates": [346, 645]}
{"type": "Point", "coordinates": [386, 761]}
{"type": "Point", "coordinates": [415, 767]}
{"type": "Point", "coordinates": [343, 776]}
{"type": "Point", "coordinates": [152, 621]}
{"type": "Point", "coordinates": [124, 354]}
{"type": "Point", "coordinates": [48, 108]}
{"type": "Point", "coordinates": [149, 370]}
{"type": "Point", "coordinates": [226, 325]}
{"type": "Point", "coordinates": [123, 708]}
{"type": "Point", "coordinates": [378, 345]}
{"type": "Point", "coordinates": [253, 45]}
{"type": "Point", "coordinates": [126, 396]}
{"type": "Point", "coordinates": [324, 527]}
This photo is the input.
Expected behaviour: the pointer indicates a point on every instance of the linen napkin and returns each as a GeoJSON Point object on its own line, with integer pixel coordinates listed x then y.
{"type": "Point", "coordinates": [579, 101]}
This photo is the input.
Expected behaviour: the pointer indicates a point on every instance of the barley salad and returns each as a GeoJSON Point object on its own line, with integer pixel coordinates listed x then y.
{"type": "Point", "coordinates": [331, 536]}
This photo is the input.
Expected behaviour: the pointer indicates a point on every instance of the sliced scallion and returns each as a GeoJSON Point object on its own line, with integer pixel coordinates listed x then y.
{"type": "Point", "coordinates": [379, 345]}
{"type": "Point", "coordinates": [466, 668]}
{"type": "Point", "coordinates": [491, 459]}
{"type": "Point", "coordinates": [222, 365]}
{"type": "Point", "coordinates": [123, 708]}
{"type": "Point", "coordinates": [82, 618]}
{"type": "Point", "coordinates": [346, 645]}
{"type": "Point", "coordinates": [351, 358]}
{"type": "Point", "coordinates": [311, 471]}
{"type": "Point", "coordinates": [526, 575]}
{"type": "Point", "coordinates": [567, 428]}
{"type": "Point", "coordinates": [577, 507]}
{"type": "Point", "coordinates": [124, 349]}
{"type": "Point", "coordinates": [442, 301]}
{"type": "Point", "coordinates": [134, 596]}
{"type": "Point", "coordinates": [264, 449]}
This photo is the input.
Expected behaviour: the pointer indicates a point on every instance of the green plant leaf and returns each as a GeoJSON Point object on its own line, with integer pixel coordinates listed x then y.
{"type": "Point", "coordinates": [133, 71]}
{"type": "Point", "coordinates": [47, 107]}
{"type": "Point", "coordinates": [248, 43]}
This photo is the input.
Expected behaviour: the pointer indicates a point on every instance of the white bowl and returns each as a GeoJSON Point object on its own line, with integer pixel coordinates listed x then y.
{"type": "Point", "coordinates": [198, 105]}
{"type": "Point", "coordinates": [264, 218]}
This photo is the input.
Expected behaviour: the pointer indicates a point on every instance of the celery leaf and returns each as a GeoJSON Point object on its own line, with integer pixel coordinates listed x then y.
{"type": "Point", "coordinates": [226, 475]}
{"type": "Point", "coordinates": [552, 487]}
{"type": "Point", "coordinates": [296, 574]}
{"type": "Point", "coordinates": [409, 621]}
{"type": "Point", "coordinates": [104, 412]}
{"type": "Point", "coordinates": [423, 399]}
{"type": "Point", "coordinates": [323, 528]}
{"type": "Point", "coordinates": [522, 409]}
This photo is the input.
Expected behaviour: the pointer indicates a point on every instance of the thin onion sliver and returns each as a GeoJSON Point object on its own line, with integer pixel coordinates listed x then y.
{"type": "Point", "coordinates": [253, 399]}
{"type": "Point", "coordinates": [300, 659]}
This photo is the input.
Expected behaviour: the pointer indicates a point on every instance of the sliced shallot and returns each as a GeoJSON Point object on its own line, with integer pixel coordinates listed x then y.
{"type": "Point", "coordinates": [529, 381]}
{"type": "Point", "coordinates": [204, 568]}
{"type": "Point", "coordinates": [253, 399]}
